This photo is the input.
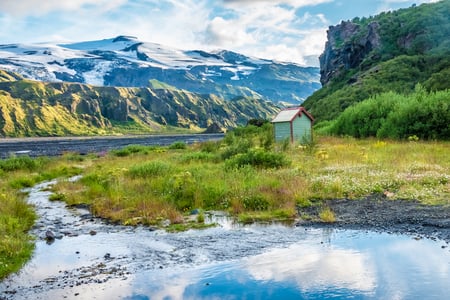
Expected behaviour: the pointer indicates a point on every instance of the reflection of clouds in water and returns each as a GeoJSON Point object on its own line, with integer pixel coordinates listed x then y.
{"type": "Point", "coordinates": [173, 288]}
{"type": "Point", "coordinates": [182, 284]}
{"type": "Point", "coordinates": [421, 255]}
{"type": "Point", "coordinates": [412, 269]}
{"type": "Point", "coordinates": [314, 267]}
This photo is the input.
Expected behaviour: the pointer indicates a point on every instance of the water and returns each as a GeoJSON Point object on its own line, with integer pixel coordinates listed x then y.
{"type": "Point", "coordinates": [226, 262]}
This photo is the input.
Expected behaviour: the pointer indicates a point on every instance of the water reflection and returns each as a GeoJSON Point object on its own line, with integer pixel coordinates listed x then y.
{"type": "Point", "coordinates": [351, 264]}
{"type": "Point", "coordinates": [314, 267]}
{"type": "Point", "coordinates": [226, 262]}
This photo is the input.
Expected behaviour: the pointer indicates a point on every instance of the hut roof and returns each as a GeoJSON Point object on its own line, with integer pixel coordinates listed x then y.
{"type": "Point", "coordinates": [288, 114]}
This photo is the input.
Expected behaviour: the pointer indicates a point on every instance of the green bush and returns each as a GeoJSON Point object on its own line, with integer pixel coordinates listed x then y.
{"type": "Point", "coordinates": [21, 163]}
{"type": "Point", "coordinates": [182, 189]}
{"type": "Point", "coordinates": [133, 149]}
{"type": "Point", "coordinates": [391, 115]}
{"type": "Point", "coordinates": [258, 158]}
{"type": "Point", "coordinates": [20, 183]}
{"type": "Point", "coordinates": [178, 146]}
{"type": "Point", "coordinates": [121, 152]}
{"type": "Point", "coordinates": [255, 203]}
{"type": "Point", "coordinates": [238, 147]}
{"type": "Point", "coordinates": [210, 146]}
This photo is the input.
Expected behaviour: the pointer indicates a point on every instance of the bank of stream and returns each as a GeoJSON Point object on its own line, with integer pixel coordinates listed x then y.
{"type": "Point", "coordinates": [78, 256]}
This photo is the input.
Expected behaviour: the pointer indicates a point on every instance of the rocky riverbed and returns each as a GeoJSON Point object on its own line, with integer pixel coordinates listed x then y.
{"type": "Point", "coordinates": [53, 146]}
{"type": "Point", "coordinates": [382, 214]}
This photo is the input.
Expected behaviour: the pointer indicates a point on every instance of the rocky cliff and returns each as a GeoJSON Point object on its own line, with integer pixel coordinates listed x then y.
{"type": "Point", "coordinates": [347, 46]}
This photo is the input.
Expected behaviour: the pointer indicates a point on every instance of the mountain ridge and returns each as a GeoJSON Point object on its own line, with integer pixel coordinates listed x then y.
{"type": "Point", "coordinates": [125, 61]}
{"type": "Point", "coordinates": [34, 108]}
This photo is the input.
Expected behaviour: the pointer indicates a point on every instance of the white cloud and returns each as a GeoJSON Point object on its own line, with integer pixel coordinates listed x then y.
{"type": "Point", "coordinates": [267, 29]}
{"type": "Point", "coordinates": [39, 8]}
{"type": "Point", "coordinates": [274, 29]}
{"type": "Point", "coordinates": [221, 32]}
{"type": "Point", "coordinates": [295, 3]}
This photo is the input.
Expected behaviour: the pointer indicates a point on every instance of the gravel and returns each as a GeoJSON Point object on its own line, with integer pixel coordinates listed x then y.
{"type": "Point", "coordinates": [379, 213]}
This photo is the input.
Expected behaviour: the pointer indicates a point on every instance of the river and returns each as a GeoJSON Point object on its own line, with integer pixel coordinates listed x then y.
{"type": "Point", "coordinates": [53, 146]}
{"type": "Point", "coordinates": [90, 259]}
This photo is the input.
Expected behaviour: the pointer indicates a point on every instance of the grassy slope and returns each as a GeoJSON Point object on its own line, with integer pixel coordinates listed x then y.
{"type": "Point", "coordinates": [423, 57]}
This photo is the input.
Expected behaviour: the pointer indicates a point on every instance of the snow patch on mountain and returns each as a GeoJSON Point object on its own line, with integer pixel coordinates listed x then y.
{"type": "Point", "coordinates": [126, 61]}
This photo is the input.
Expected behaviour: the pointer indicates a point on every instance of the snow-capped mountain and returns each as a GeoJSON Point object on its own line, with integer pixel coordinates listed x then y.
{"type": "Point", "coordinates": [125, 61]}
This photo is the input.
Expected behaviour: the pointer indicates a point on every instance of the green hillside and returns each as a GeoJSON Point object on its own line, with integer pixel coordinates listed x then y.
{"type": "Point", "coordinates": [31, 108]}
{"type": "Point", "coordinates": [390, 52]}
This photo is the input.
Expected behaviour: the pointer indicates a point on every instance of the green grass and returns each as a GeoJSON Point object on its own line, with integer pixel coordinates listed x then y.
{"type": "Point", "coordinates": [255, 184]}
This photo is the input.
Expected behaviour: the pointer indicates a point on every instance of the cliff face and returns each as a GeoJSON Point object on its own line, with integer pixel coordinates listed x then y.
{"type": "Point", "coordinates": [391, 52]}
{"type": "Point", "coordinates": [30, 108]}
{"type": "Point", "coordinates": [347, 46]}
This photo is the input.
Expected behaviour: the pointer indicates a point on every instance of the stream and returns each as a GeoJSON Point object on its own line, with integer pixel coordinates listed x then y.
{"type": "Point", "coordinates": [90, 259]}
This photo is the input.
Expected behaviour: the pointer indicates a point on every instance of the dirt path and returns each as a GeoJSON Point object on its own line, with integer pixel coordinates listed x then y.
{"type": "Point", "coordinates": [381, 214]}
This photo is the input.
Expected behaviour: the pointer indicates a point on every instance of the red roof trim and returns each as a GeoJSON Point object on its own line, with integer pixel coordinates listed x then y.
{"type": "Point", "coordinates": [299, 114]}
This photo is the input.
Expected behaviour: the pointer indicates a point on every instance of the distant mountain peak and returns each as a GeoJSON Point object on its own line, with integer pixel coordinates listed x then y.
{"type": "Point", "coordinates": [124, 38]}
{"type": "Point", "coordinates": [126, 61]}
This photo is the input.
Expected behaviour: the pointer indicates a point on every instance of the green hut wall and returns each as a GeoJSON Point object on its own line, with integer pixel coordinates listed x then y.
{"type": "Point", "coordinates": [301, 128]}
{"type": "Point", "coordinates": [293, 124]}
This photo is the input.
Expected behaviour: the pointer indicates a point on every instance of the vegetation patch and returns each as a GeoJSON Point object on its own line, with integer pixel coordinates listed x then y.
{"type": "Point", "coordinates": [327, 215]}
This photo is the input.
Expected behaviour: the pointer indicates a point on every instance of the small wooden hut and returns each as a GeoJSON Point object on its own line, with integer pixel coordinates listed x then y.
{"type": "Point", "coordinates": [293, 123]}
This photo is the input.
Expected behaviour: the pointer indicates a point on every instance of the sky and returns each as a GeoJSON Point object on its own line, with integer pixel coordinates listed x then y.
{"type": "Point", "coordinates": [283, 30]}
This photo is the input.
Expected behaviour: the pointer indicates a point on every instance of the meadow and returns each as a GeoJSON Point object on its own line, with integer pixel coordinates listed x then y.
{"type": "Point", "coordinates": [246, 174]}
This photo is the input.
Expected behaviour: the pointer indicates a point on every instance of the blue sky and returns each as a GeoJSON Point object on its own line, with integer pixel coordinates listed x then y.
{"type": "Point", "coordinates": [285, 30]}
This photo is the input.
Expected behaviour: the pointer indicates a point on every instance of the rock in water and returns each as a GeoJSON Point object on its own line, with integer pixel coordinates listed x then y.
{"type": "Point", "coordinates": [49, 236]}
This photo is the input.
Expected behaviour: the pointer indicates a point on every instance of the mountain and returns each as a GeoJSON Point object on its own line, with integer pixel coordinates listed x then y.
{"type": "Point", "coordinates": [36, 108]}
{"type": "Point", "coordinates": [391, 52]}
{"type": "Point", "coordinates": [125, 61]}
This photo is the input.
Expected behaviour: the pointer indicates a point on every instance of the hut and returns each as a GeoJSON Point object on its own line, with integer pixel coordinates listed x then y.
{"type": "Point", "coordinates": [293, 123]}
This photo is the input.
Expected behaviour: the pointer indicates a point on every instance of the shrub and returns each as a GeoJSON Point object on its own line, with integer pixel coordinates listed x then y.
{"type": "Point", "coordinates": [120, 152]}
{"type": "Point", "coordinates": [182, 189]}
{"type": "Point", "coordinates": [21, 163]}
{"type": "Point", "coordinates": [210, 146]}
{"type": "Point", "coordinates": [57, 197]}
{"type": "Point", "coordinates": [258, 158]}
{"type": "Point", "coordinates": [239, 146]}
{"type": "Point", "coordinates": [24, 182]}
{"type": "Point", "coordinates": [178, 146]}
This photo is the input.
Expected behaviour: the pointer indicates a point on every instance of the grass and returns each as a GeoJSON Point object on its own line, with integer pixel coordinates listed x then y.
{"type": "Point", "coordinates": [327, 215]}
{"type": "Point", "coordinates": [244, 175]}
{"type": "Point", "coordinates": [157, 184]}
